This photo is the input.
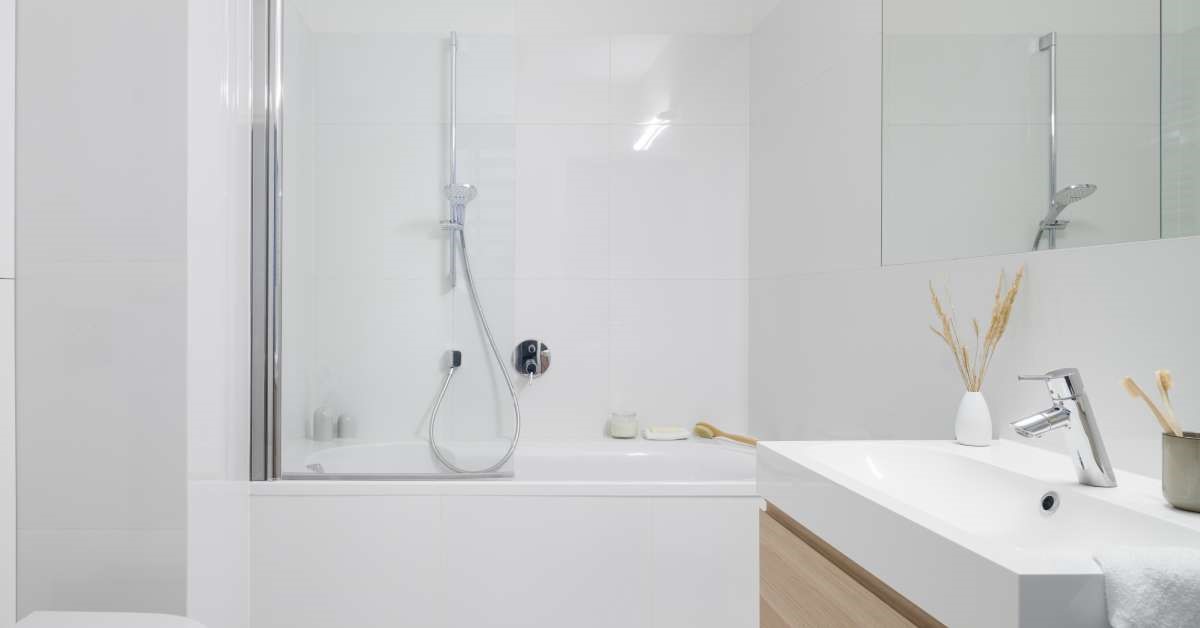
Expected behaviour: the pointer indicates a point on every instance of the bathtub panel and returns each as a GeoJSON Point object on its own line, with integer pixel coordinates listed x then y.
{"type": "Point", "coordinates": [548, 562]}
{"type": "Point", "coordinates": [705, 565]}
{"type": "Point", "coordinates": [346, 562]}
{"type": "Point", "coordinates": [629, 548]}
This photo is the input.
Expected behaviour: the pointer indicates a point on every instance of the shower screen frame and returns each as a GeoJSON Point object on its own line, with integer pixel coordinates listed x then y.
{"type": "Point", "coordinates": [266, 200]}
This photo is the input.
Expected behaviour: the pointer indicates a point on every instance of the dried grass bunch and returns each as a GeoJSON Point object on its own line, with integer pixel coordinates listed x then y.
{"type": "Point", "coordinates": [973, 365]}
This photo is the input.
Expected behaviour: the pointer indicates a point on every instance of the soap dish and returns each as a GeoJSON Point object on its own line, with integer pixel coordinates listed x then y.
{"type": "Point", "coordinates": [665, 433]}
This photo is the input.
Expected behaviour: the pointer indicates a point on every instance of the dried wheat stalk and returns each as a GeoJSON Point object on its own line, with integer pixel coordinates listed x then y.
{"type": "Point", "coordinates": [974, 369]}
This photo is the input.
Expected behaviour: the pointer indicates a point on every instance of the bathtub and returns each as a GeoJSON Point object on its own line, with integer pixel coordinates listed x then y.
{"type": "Point", "coordinates": [597, 534]}
{"type": "Point", "coordinates": [628, 465]}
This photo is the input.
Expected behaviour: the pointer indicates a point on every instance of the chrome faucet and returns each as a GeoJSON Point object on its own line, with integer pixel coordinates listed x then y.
{"type": "Point", "coordinates": [1073, 411]}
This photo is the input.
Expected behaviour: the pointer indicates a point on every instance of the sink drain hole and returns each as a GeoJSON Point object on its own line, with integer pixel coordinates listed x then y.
{"type": "Point", "coordinates": [1050, 502]}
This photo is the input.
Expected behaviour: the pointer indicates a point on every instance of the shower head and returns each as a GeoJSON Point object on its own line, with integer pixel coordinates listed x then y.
{"type": "Point", "coordinates": [1071, 194]}
{"type": "Point", "coordinates": [1066, 197]}
{"type": "Point", "coordinates": [1062, 199]}
{"type": "Point", "coordinates": [459, 194]}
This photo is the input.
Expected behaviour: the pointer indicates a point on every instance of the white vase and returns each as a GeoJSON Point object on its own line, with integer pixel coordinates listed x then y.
{"type": "Point", "coordinates": [973, 423]}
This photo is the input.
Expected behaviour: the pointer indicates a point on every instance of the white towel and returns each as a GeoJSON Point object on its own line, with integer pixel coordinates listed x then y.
{"type": "Point", "coordinates": [1155, 587]}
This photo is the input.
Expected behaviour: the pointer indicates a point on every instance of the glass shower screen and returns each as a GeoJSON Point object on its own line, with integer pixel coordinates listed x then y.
{"type": "Point", "coordinates": [372, 299]}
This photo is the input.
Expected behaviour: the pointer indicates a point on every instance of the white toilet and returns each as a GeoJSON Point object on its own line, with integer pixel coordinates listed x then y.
{"type": "Point", "coordinates": [58, 619]}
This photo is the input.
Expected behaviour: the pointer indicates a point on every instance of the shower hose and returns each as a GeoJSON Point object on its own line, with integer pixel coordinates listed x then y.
{"type": "Point", "coordinates": [454, 365]}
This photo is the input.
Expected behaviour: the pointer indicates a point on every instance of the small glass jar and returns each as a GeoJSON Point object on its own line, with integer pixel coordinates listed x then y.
{"type": "Point", "coordinates": [623, 424]}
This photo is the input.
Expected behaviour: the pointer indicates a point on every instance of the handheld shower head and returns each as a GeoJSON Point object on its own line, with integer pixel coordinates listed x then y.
{"type": "Point", "coordinates": [459, 194]}
{"type": "Point", "coordinates": [1066, 197]}
{"type": "Point", "coordinates": [1073, 193]}
{"type": "Point", "coordinates": [1062, 199]}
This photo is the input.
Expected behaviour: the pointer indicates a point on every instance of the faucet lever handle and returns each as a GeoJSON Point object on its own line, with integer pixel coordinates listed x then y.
{"type": "Point", "coordinates": [1055, 395]}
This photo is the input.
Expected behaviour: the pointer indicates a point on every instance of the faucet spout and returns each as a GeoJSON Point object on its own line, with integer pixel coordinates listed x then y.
{"type": "Point", "coordinates": [1042, 423]}
{"type": "Point", "coordinates": [1073, 412]}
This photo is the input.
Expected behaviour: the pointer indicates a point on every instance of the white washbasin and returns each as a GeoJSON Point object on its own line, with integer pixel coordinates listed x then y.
{"type": "Point", "coordinates": [961, 531]}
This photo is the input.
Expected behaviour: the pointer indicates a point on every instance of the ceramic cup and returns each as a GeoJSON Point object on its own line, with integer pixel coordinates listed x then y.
{"type": "Point", "coordinates": [1181, 470]}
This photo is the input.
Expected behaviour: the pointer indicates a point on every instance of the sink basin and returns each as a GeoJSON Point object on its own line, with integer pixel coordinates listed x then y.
{"type": "Point", "coordinates": [993, 536]}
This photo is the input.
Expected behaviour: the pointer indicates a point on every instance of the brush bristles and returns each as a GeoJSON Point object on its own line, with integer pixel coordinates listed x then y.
{"type": "Point", "coordinates": [974, 370]}
{"type": "Point", "coordinates": [1165, 382]}
{"type": "Point", "coordinates": [1165, 379]}
{"type": "Point", "coordinates": [1166, 421]}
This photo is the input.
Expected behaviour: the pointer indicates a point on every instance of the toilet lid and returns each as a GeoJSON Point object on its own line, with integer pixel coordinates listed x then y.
{"type": "Point", "coordinates": [56, 619]}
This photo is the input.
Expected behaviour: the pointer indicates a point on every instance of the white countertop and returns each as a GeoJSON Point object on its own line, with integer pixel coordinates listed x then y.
{"type": "Point", "coordinates": [939, 522]}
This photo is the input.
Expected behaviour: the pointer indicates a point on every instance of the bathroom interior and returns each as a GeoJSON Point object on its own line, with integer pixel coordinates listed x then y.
{"type": "Point", "coordinates": [599, 313]}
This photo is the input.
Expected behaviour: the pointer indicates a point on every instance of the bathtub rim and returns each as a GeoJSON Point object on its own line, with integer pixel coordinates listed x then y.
{"type": "Point", "coordinates": [505, 487]}
{"type": "Point", "coordinates": [509, 481]}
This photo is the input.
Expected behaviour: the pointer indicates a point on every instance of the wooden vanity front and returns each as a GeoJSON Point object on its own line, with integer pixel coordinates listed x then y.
{"type": "Point", "coordinates": [806, 582]}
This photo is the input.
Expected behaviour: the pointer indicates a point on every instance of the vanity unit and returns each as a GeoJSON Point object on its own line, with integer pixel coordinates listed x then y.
{"type": "Point", "coordinates": [928, 533]}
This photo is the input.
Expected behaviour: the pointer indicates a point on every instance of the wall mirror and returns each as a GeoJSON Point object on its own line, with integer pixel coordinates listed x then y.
{"type": "Point", "coordinates": [1049, 124]}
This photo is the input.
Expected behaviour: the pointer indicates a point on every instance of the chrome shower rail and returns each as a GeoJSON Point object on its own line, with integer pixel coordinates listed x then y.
{"type": "Point", "coordinates": [1058, 199]}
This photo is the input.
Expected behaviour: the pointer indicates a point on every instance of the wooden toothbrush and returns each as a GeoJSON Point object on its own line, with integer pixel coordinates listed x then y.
{"type": "Point", "coordinates": [1136, 392]}
{"type": "Point", "coordinates": [1166, 381]}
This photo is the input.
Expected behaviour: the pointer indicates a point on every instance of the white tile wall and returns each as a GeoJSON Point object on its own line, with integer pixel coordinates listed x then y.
{"type": "Point", "coordinates": [218, 335]}
{"type": "Point", "coordinates": [807, 151]}
{"type": "Point", "coordinates": [821, 334]}
{"type": "Point", "coordinates": [563, 79]}
{"type": "Point", "coordinates": [563, 180]}
{"type": "Point", "coordinates": [408, 16]}
{"type": "Point", "coordinates": [8, 419]}
{"type": "Point", "coordinates": [374, 213]}
{"type": "Point", "coordinates": [697, 78]}
{"type": "Point", "coordinates": [678, 351]}
{"type": "Point", "coordinates": [8, 462]}
{"type": "Point", "coordinates": [380, 78]}
{"type": "Point", "coordinates": [679, 209]}
{"type": "Point", "coordinates": [567, 403]}
{"type": "Point", "coordinates": [488, 65]}
{"type": "Point", "coordinates": [102, 570]}
{"type": "Point", "coordinates": [626, 17]}
{"type": "Point", "coordinates": [8, 128]}
{"type": "Point", "coordinates": [101, 313]}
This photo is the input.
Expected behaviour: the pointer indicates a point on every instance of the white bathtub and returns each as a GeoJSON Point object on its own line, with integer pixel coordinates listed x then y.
{"type": "Point", "coordinates": [631, 465]}
{"type": "Point", "coordinates": [603, 534]}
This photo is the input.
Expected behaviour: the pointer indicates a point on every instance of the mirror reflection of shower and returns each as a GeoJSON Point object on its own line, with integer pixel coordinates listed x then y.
{"type": "Point", "coordinates": [1059, 199]}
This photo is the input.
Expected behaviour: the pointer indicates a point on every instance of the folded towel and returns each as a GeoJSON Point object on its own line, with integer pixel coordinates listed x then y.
{"type": "Point", "coordinates": [1152, 586]}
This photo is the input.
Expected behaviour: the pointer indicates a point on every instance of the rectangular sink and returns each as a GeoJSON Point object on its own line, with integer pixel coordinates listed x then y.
{"type": "Point", "coordinates": [993, 536]}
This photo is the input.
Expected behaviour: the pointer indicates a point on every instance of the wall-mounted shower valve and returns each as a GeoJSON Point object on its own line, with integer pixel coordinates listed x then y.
{"type": "Point", "coordinates": [531, 358]}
